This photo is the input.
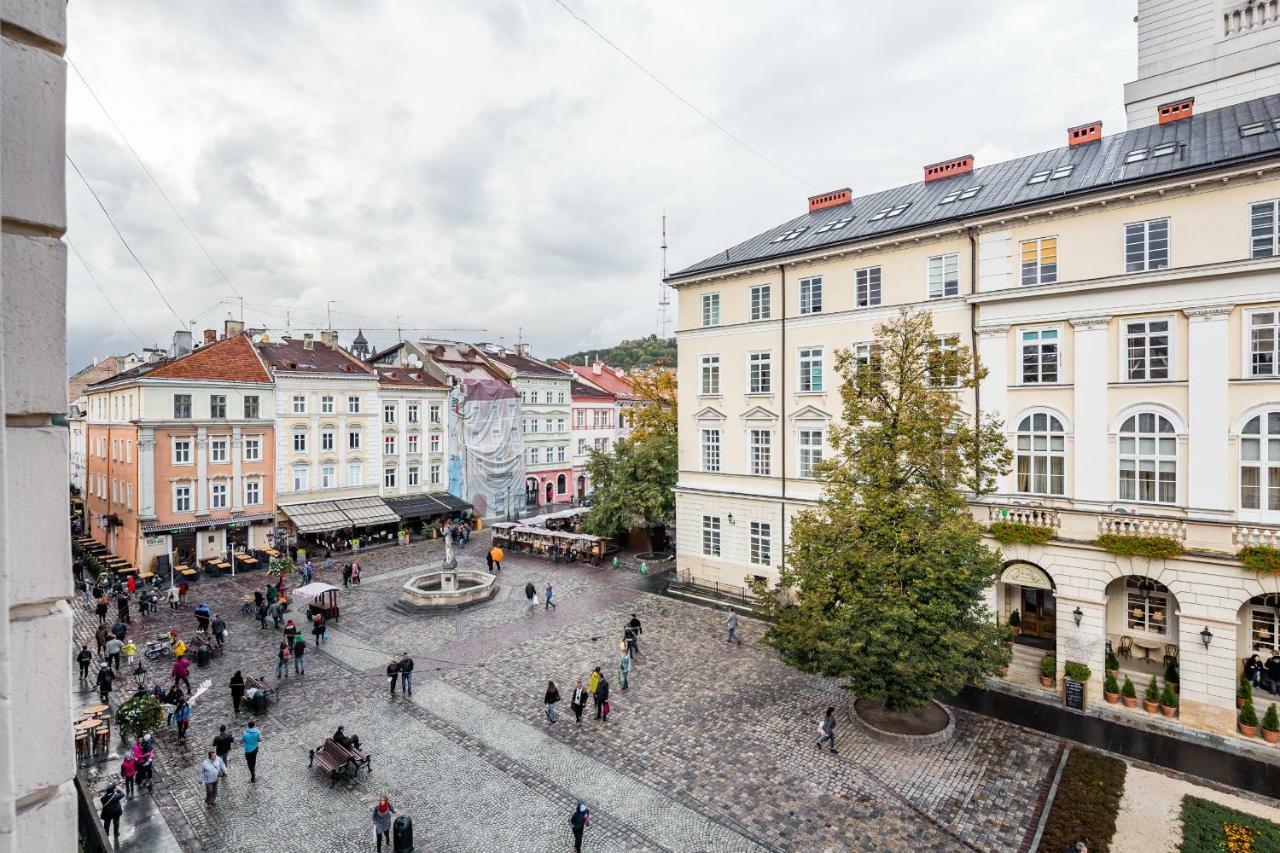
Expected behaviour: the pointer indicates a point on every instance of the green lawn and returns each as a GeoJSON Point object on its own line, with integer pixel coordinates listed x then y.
{"type": "Point", "coordinates": [1087, 802]}
{"type": "Point", "coordinates": [1210, 828]}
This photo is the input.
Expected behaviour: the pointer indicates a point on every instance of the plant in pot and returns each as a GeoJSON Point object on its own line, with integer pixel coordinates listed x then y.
{"type": "Point", "coordinates": [1271, 724]}
{"type": "Point", "coordinates": [1248, 720]}
{"type": "Point", "coordinates": [1151, 699]}
{"type": "Point", "coordinates": [1113, 664]}
{"type": "Point", "coordinates": [1111, 690]}
{"type": "Point", "coordinates": [1076, 671]}
{"type": "Point", "coordinates": [1015, 622]}
{"type": "Point", "coordinates": [1048, 671]}
{"type": "Point", "coordinates": [1171, 674]}
{"type": "Point", "coordinates": [1006, 636]}
{"type": "Point", "coordinates": [1129, 694]}
{"type": "Point", "coordinates": [1244, 693]}
{"type": "Point", "coordinates": [1169, 701]}
{"type": "Point", "coordinates": [139, 714]}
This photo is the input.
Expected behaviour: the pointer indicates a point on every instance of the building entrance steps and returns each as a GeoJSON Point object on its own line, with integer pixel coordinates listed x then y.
{"type": "Point", "coordinates": [1204, 761]}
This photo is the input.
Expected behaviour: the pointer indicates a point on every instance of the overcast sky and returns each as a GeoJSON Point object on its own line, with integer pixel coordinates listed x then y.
{"type": "Point", "coordinates": [493, 165]}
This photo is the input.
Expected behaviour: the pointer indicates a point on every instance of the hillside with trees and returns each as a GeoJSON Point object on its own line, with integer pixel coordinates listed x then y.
{"type": "Point", "coordinates": [640, 352]}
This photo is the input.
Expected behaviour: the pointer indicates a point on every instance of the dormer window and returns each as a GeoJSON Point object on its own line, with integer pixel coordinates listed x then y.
{"type": "Point", "coordinates": [1164, 149]}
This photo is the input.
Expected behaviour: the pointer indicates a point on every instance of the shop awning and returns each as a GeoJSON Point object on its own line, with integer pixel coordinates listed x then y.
{"type": "Point", "coordinates": [364, 512]}
{"type": "Point", "coordinates": [205, 523]}
{"type": "Point", "coordinates": [452, 503]}
{"type": "Point", "coordinates": [422, 506]}
{"type": "Point", "coordinates": [317, 517]}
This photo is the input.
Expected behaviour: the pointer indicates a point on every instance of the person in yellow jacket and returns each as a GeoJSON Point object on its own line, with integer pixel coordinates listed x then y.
{"type": "Point", "coordinates": [179, 648]}
{"type": "Point", "coordinates": [496, 555]}
{"type": "Point", "coordinates": [592, 683]}
{"type": "Point", "coordinates": [130, 652]}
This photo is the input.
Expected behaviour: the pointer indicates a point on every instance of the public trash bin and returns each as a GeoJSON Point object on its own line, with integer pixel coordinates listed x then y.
{"type": "Point", "coordinates": [202, 656]}
{"type": "Point", "coordinates": [260, 702]}
{"type": "Point", "coordinates": [402, 834]}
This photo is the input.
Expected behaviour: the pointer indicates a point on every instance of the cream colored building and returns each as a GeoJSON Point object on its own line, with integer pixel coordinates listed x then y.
{"type": "Point", "coordinates": [1124, 293]}
{"type": "Point", "coordinates": [413, 406]}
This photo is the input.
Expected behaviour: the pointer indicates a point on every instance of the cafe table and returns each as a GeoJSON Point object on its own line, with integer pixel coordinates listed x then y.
{"type": "Point", "coordinates": [1147, 646]}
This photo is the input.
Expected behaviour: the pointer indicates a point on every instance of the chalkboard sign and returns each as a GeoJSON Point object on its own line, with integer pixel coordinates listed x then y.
{"type": "Point", "coordinates": [1073, 694]}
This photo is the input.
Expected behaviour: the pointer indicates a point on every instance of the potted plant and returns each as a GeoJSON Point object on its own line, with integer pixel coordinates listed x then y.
{"type": "Point", "coordinates": [1129, 694]}
{"type": "Point", "coordinates": [1151, 700]}
{"type": "Point", "coordinates": [1006, 636]}
{"type": "Point", "coordinates": [1169, 701]}
{"type": "Point", "coordinates": [1244, 693]}
{"type": "Point", "coordinates": [139, 714]}
{"type": "Point", "coordinates": [1015, 622]}
{"type": "Point", "coordinates": [1048, 671]}
{"type": "Point", "coordinates": [1111, 690]}
{"type": "Point", "coordinates": [1248, 720]}
{"type": "Point", "coordinates": [1171, 674]}
{"type": "Point", "coordinates": [1076, 671]}
{"type": "Point", "coordinates": [1271, 724]}
{"type": "Point", "coordinates": [1113, 664]}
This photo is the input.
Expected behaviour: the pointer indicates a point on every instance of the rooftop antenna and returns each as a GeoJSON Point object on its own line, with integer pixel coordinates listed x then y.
{"type": "Point", "coordinates": [328, 311]}
{"type": "Point", "coordinates": [664, 295]}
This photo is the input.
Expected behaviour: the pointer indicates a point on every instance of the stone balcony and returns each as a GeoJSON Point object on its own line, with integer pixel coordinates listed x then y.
{"type": "Point", "coordinates": [1239, 18]}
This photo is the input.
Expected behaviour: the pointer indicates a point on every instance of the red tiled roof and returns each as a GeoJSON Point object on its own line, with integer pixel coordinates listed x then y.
{"type": "Point", "coordinates": [619, 386]}
{"type": "Point", "coordinates": [228, 360]}
{"type": "Point", "coordinates": [525, 365]}
{"type": "Point", "coordinates": [289, 354]}
{"type": "Point", "coordinates": [413, 378]}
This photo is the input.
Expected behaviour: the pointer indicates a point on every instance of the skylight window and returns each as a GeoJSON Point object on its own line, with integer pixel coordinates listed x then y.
{"type": "Point", "coordinates": [1164, 149]}
{"type": "Point", "coordinates": [837, 224]}
{"type": "Point", "coordinates": [1038, 177]}
{"type": "Point", "coordinates": [1062, 171]}
{"type": "Point", "coordinates": [960, 194]}
{"type": "Point", "coordinates": [1136, 155]}
{"type": "Point", "coordinates": [1253, 129]}
{"type": "Point", "coordinates": [890, 212]}
{"type": "Point", "coordinates": [790, 235]}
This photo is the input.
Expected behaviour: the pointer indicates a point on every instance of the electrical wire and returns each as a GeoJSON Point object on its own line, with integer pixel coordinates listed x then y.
{"type": "Point", "coordinates": [93, 279]}
{"type": "Point", "coordinates": [181, 323]}
{"type": "Point", "coordinates": [681, 98]}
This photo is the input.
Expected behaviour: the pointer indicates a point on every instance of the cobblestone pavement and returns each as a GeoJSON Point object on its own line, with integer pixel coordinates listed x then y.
{"type": "Point", "coordinates": [711, 748]}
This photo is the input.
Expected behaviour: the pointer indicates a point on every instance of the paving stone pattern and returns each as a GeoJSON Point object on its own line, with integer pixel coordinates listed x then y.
{"type": "Point", "coordinates": [711, 748]}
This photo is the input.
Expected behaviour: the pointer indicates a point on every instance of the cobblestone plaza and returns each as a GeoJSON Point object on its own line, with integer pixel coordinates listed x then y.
{"type": "Point", "coordinates": [710, 749]}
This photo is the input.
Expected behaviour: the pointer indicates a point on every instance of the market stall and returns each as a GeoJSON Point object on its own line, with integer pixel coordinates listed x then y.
{"type": "Point", "coordinates": [320, 598]}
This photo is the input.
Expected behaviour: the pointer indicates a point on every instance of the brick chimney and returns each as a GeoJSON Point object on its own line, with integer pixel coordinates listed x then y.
{"type": "Point", "coordinates": [329, 337]}
{"type": "Point", "coordinates": [597, 367]}
{"type": "Point", "coordinates": [308, 341]}
{"type": "Point", "coordinates": [1083, 133]}
{"type": "Point", "coordinates": [835, 198]}
{"type": "Point", "coordinates": [210, 336]}
{"type": "Point", "coordinates": [948, 168]}
{"type": "Point", "coordinates": [231, 328]}
{"type": "Point", "coordinates": [1175, 110]}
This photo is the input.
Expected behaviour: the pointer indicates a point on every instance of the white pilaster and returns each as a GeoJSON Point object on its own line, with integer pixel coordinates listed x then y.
{"type": "Point", "coordinates": [993, 353]}
{"type": "Point", "coordinates": [146, 473]}
{"type": "Point", "coordinates": [237, 480]}
{"type": "Point", "coordinates": [1090, 415]}
{"type": "Point", "coordinates": [202, 471]}
{"type": "Point", "coordinates": [1208, 420]}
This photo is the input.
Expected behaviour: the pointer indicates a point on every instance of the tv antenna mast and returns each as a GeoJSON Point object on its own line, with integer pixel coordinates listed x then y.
{"type": "Point", "coordinates": [664, 292]}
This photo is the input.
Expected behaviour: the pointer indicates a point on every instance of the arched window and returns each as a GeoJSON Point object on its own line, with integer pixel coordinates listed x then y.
{"type": "Point", "coordinates": [1148, 459]}
{"type": "Point", "coordinates": [562, 484]}
{"type": "Point", "coordinates": [1041, 444]}
{"type": "Point", "coordinates": [1264, 622]}
{"type": "Point", "coordinates": [1260, 463]}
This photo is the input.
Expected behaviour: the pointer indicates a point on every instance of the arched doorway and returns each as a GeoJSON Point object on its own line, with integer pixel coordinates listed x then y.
{"type": "Point", "coordinates": [550, 492]}
{"type": "Point", "coordinates": [1142, 626]}
{"type": "Point", "coordinates": [1029, 591]}
{"type": "Point", "coordinates": [531, 491]}
{"type": "Point", "coordinates": [1260, 627]}
{"type": "Point", "coordinates": [582, 487]}
{"type": "Point", "coordinates": [562, 484]}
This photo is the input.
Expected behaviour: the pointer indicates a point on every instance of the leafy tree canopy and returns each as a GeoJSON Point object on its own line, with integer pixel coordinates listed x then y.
{"type": "Point", "coordinates": [885, 577]}
{"type": "Point", "coordinates": [639, 352]}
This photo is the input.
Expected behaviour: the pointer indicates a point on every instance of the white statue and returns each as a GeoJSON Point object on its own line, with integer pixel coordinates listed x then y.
{"type": "Point", "coordinates": [449, 562]}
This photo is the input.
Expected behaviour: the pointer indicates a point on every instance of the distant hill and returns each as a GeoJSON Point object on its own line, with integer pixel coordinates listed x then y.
{"type": "Point", "coordinates": [640, 352]}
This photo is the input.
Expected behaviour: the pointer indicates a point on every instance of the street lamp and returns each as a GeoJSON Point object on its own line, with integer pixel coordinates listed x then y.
{"type": "Point", "coordinates": [140, 677]}
{"type": "Point", "coordinates": [1078, 614]}
{"type": "Point", "coordinates": [1206, 636]}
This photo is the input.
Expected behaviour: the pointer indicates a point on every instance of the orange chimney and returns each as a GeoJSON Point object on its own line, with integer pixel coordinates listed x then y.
{"type": "Point", "coordinates": [1081, 134]}
{"type": "Point", "coordinates": [835, 198]}
{"type": "Point", "coordinates": [947, 168]}
{"type": "Point", "coordinates": [210, 335]}
{"type": "Point", "coordinates": [1175, 110]}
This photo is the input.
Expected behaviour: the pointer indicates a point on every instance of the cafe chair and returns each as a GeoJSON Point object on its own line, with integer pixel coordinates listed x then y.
{"type": "Point", "coordinates": [1126, 647]}
{"type": "Point", "coordinates": [1170, 654]}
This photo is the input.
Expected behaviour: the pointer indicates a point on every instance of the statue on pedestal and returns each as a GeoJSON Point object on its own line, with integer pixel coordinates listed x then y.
{"type": "Point", "coordinates": [449, 561]}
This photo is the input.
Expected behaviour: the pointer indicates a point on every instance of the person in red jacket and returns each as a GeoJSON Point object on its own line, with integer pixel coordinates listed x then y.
{"type": "Point", "coordinates": [181, 672]}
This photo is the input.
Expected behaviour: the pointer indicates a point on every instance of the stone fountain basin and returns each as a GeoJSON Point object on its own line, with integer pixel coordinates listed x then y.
{"type": "Point", "coordinates": [448, 588]}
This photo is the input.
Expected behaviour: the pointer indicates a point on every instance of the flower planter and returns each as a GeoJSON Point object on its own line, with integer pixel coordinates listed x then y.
{"type": "Point", "coordinates": [1169, 712]}
{"type": "Point", "coordinates": [1270, 737]}
{"type": "Point", "coordinates": [1149, 706]}
{"type": "Point", "coordinates": [1248, 731]}
{"type": "Point", "coordinates": [1113, 698]}
{"type": "Point", "coordinates": [1046, 682]}
{"type": "Point", "coordinates": [1129, 701]}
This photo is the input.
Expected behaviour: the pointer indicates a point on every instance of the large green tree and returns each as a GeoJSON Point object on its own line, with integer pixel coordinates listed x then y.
{"type": "Point", "coordinates": [634, 484]}
{"type": "Point", "coordinates": [885, 578]}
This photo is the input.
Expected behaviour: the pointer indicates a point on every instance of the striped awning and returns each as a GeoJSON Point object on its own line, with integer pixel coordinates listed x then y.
{"type": "Point", "coordinates": [153, 527]}
{"type": "Point", "coordinates": [316, 517]}
{"type": "Point", "coordinates": [366, 511]}
{"type": "Point", "coordinates": [425, 505]}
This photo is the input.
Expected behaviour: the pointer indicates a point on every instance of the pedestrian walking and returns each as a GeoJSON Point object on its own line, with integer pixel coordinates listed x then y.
{"type": "Point", "coordinates": [203, 616]}
{"type": "Point", "coordinates": [549, 605]}
{"type": "Point", "coordinates": [84, 658]}
{"type": "Point", "coordinates": [393, 672]}
{"type": "Point", "coordinates": [251, 740]}
{"type": "Point", "coordinates": [144, 756]}
{"type": "Point", "coordinates": [102, 607]}
{"type": "Point", "coordinates": [119, 630]}
{"type": "Point", "coordinates": [355, 573]}
{"type": "Point", "coordinates": [182, 592]}
{"type": "Point", "coordinates": [308, 569]}
{"type": "Point", "coordinates": [237, 690]}
{"type": "Point", "coordinates": [111, 811]}
{"type": "Point", "coordinates": [223, 742]}
{"type": "Point", "coordinates": [299, 655]}
{"type": "Point", "coordinates": [212, 769]}
{"type": "Point", "coordinates": [181, 672]}
{"type": "Point", "coordinates": [131, 585]}
{"type": "Point", "coordinates": [173, 698]}
{"type": "Point", "coordinates": [634, 627]}
{"type": "Point", "coordinates": [219, 629]}
{"type": "Point", "coordinates": [624, 667]}
{"type": "Point", "coordinates": [550, 699]}
{"type": "Point", "coordinates": [105, 679]}
{"type": "Point", "coordinates": [262, 613]}
{"type": "Point", "coordinates": [277, 613]}
{"type": "Point", "coordinates": [101, 637]}
{"type": "Point", "coordinates": [114, 647]}
{"type": "Point", "coordinates": [182, 716]}
{"type": "Point", "coordinates": [130, 652]}
{"type": "Point", "coordinates": [602, 698]}
{"type": "Point", "coordinates": [406, 675]}
{"type": "Point", "coordinates": [282, 660]}
{"type": "Point", "coordinates": [731, 623]}
{"type": "Point", "coordinates": [382, 813]}
{"type": "Point", "coordinates": [529, 592]}
{"type": "Point", "coordinates": [827, 730]}
{"type": "Point", "coordinates": [593, 681]}
{"type": "Point", "coordinates": [128, 772]}
{"type": "Point", "coordinates": [346, 574]}
{"type": "Point", "coordinates": [122, 607]}
{"type": "Point", "coordinates": [318, 628]}
{"type": "Point", "coordinates": [86, 591]}
{"type": "Point", "coordinates": [578, 700]}
{"type": "Point", "coordinates": [579, 820]}
{"type": "Point", "coordinates": [496, 553]}
{"type": "Point", "coordinates": [174, 596]}
{"type": "Point", "coordinates": [488, 561]}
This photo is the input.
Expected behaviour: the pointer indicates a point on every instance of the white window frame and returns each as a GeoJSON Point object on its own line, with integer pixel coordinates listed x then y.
{"type": "Point", "coordinates": [710, 449]}
{"type": "Point", "coordinates": [1154, 602]}
{"type": "Point", "coordinates": [760, 372]}
{"type": "Point", "coordinates": [1039, 343]}
{"type": "Point", "coordinates": [1041, 273]}
{"type": "Point", "coordinates": [1271, 244]}
{"type": "Point", "coordinates": [433, 413]}
{"type": "Point", "coordinates": [328, 476]}
{"type": "Point", "coordinates": [328, 440]}
{"type": "Point", "coordinates": [326, 404]}
{"type": "Point", "coordinates": [299, 404]}
{"type": "Point", "coordinates": [219, 451]}
{"type": "Point", "coordinates": [434, 472]}
{"type": "Point", "coordinates": [711, 535]}
{"type": "Point", "coordinates": [219, 491]}
{"type": "Point", "coordinates": [1266, 462]}
{"type": "Point", "coordinates": [928, 276]}
{"type": "Point", "coordinates": [253, 449]}
{"type": "Point", "coordinates": [253, 492]}
{"type": "Point", "coordinates": [389, 478]}
{"type": "Point", "coordinates": [1036, 444]}
{"type": "Point", "coordinates": [1246, 337]}
{"type": "Point", "coordinates": [301, 478]}
{"type": "Point", "coordinates": [760, 451]}
{"type": "Point", "coordinates": [389, 413]}
{"type": "Point", "coordinates": [182, 451]}
{"type": "Point", "coordinates": [177, 410]}
{"type": "Point", "coordinates": [1125, 368]}
{"type": "Point", "coordinates": [181, 495]}
{"type": "Point", "coordinates": [805, 358]}
{"type": "Point", "coordinates": [710, 310]}
{"type": "Point", "coordinates": [761, 302]}
{"type": "Point", "coordinates": [353, 404]}
{"type": "Point", "coordinates": [435, 442]}
{"type": "Point", "coordinates": [760, 543]}
{"type": "Point", "coordinates": [870, 280]}
{"type": "Point", "coordinates": [388, 445]}
{"type": "Point", "coordinates": [411, 413]}
{"type": "Point", "coordinates": [709, 367]}
{"type": "Point", "coordinates": [355, 473]}
{"type": "Point", "coordinates": [809, 453]}
{"type": "Point", "coordinates": [299, 438]}
{"type": "Point", "coordinates": [214, 405]}
{"type": "Point", "coordinates": [412, 443]}
{"type": "Point", "coordinates": [1145, 265]}
{"type": "Point", "coordinates": [535, 456]}
{"type": "Point", "coordinates": [411, 477]}
{"type": "Point", "coordinates": [1138, 457]}
{"type": "Point", "coordinates": [810, 295]}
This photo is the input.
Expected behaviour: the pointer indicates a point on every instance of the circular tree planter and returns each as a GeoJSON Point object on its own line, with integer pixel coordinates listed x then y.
{"type": "Point", "coordinates": [928, 725]}
{"type": "Point", "coordinates": [653, 556]}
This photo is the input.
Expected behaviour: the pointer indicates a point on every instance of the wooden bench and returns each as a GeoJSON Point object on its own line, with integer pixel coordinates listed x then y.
{"type": "Point", "coordinates": [146, 576]}
{"type": "Point", "coordinates": [358, 759]}
{"type": "Point", "coordinates": [333, 759]}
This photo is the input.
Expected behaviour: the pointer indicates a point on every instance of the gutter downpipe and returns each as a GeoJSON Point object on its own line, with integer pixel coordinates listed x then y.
{"type": "Point", "coordinates": [973, 338]}
{"type": "Point", "coordinates": [782, 431]}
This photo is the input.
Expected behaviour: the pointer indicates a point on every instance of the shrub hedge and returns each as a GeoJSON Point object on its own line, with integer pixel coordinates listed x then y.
{"type": "Point", "coordinates": [1010, 532]}
{"type": "Point", "coordinates": [1260, 559]}
{"type": "Point", "coordinates": [1087, 802]}
{"type": "Point", "coordinates": [1208, 828]}
{"type": "Point", "coordinates": [1152, 547]}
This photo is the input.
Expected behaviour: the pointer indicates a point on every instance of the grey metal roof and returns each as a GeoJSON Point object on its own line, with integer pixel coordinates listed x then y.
{"type": "Point", "coordinates": [1204, 141]}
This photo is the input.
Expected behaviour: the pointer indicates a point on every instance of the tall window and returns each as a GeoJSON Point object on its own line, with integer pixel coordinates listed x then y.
{"type": "Point", "coordinates": [252, 493]}
{"type": "Point", "coordinates": [299, 404]}
{"type": "Point", "coordinates": [1264, 622]}
{"type": "Point", "coordinates": [353, 439]}
{"type": "Point", "coordinates": [1264, 342]}
{"type": "Point", "coordinates": [711, 450]}
{"type": "Point", "coordinates": [941, 371]}
{"type": "Point", "coordinates": [944, 276]}
{"type": "Point", "coordinates": [1264, 229]}
{"type": "Point", "coordinates": [252, 449]}
{"type": "Point", "coordinates": [1148, 459]}
{"type": "Point", "coordinates": [710, 309]}
{"type": "Point", "coordinates": [810, 368]}
{"type": "Point", "coordinates": [434, 471]}
{"type": "Point", "coordinates": [1260, 463]}
{"type": "Point", "coordinates": [435, 442]}
{"type": "Point", "coordinates": [182, 452]}
{"type": "Point", "coordinates": [251, 407]}
{"type": "Point", "coordinates": [760, 446]}
{"type": "Point", "coordinates": [217, 450]}
{"type": "Point", "coordinates": [326, 404]}
{"type": "Point", "coordinates": [412, 415]}
{"type": "Point", "coordinates": [560, 452]}
{"type": "Point", "coordinates": [1146, 606]}
{"type": "Point", "coordinates": [433, 413]}
{"type": "Point", "coordinates": [534, 455]}
{"type": "Point", "coordinates": [218, 496]}
{"type": "Point", "coordinates": [760, 298]}
{"type": "Point", "coordinates": [413, 475]}
{"type": "Point", "coordinates": [1041, 455]}
{"type": "Point", "coordinates": [1040, 355]}
{"type": "Point", "coordinates": [389, 445]}
{"type": "Point", "coordinates": [1146, 245]}
{"type": "Point", "coordinates": [353, 405]}
{"type": "Point", "coordinates": [218, 406]}
{"type": "Point", "coordinates": [711, 374]}
{"type": "Point", "coordinates": [811, 443]}
{"type": "Point", "coordinates": [811, 295]}
{"type": "Point", "coordinates": [759, 373]}
{"type": "Point", "coordinates": [1040, 261]}
{"type": "Point", "coordinates": [355, 473]}
{"type": "Point", "coordinates": [301, 478]}
{"type": "Point", "coordinates": [865, 355]}
{"type": "Point", "coordinates": [412, 443]}
{"type": "Point", "coordinates": [389, 478]}
{"type": "Point", "coordinates": [182, 499]}
{"type": "Point", "coordinates": [326, 440]}
{"type": "Point", "coordinates": [182, 405]}
{"type": "Point", "coordinates": [388, 413]}
{"type": "Point", "coordinates": [866, 287]}
{"type": "Point", "coordinates": [299, 442]}
{"type": "Point", "coordinates": [1146, 344]}
{"type": "Point", "coordinates": [711, 535]}
{"type": "Point", "coordinates": [760, 544]}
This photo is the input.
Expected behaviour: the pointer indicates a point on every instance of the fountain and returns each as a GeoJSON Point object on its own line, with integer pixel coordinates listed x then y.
{"type": "Point", "coordinates": [448, 588]}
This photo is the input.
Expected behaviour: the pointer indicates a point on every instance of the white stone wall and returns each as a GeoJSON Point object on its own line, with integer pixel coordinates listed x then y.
{"type": "Point", "coordinates": [37, 762]}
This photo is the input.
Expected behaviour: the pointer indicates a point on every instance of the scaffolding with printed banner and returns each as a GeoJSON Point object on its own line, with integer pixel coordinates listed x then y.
{"type": "Point", "coordinates": [486, 462]}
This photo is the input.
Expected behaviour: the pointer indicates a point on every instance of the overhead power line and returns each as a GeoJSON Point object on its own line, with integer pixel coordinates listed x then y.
{"type": "Point", "coordinates": [681, 98]}
{"type": "Point", "coordinates": [93, 279]}
{"type": "Point", "coordinates": [181, 323]}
